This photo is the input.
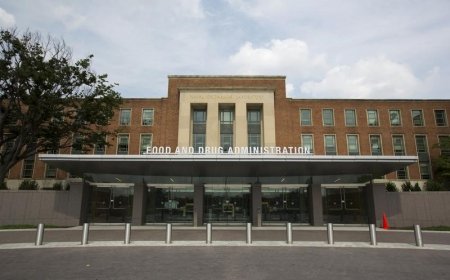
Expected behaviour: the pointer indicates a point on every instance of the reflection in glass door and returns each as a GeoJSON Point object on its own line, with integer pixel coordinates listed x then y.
{"type": "Point", "coordinates": [285, 204]}
{"type": "Point", "coordinates": [174, 204]}
{"type": "Point", "coordinates": [110, 204]}
{"type": "Point", "coordinates": [230, 204]}
{"type": "Point", "coordinates": [344, 205]}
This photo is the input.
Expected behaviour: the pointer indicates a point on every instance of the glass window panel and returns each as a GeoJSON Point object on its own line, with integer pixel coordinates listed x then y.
{"type": "Point", "coordinates": [254, 116]}
{"type": "Point", "coordinates": [146, 141]}
{"type": "Point", "coordinates": [441, 118]}
{"type": "Point", "coordinates": [352, 145]}
{"type": "Point", "coordinates": [394, 116]}
{"type": "Point", "coordinates": [444, 144]}
{"type": "Point", "coordinates": [305, 117]}
{"type": "Point", "coordinates": [147, 116]}
{"type": "Point", "coordinates": [328, 118]}
{"type": "Point", "coordinates": [417, 116]}
{"type": "Point", "coordinates": [307, 142]}
{"type": "Point", "coordinates": [399, 147]}
{"type": "Point", "coordinates": [375, 145]}
{"type": "Point", "coordinates": [125, 117]}
{"type": "Point", "coordinates": [122, 144]}
{"type": "Point", "coordinates": [372, 117]}
{"type": "Point", "coordinates": [350, 117]}
{"type": "Point", "coordinates": [198, 141]}
{"type": "Point", "coordinates": [28, 166]}
{"type": "Point", "coordinates": [199, 116]}
{"type": "Point", "coordinates": [421, 144]}
{"type": "Point", "coordinates": [402, 173]}
{"type": "Point", "coordinates": [330, 145]}
{"type": "Point", "coordinates": [425, 170]}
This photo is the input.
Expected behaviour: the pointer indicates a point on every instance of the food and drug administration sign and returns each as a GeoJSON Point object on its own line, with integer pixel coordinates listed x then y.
{"type": "Point", "coordinates": [230, 150]}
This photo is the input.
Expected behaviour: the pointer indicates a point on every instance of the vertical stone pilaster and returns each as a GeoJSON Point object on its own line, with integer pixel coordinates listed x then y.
{"type": "Point", "coordinates": [241, 124]}
{"type": "Point", "coordinates": [315, 205]}
{"type": "Point", "coordinates": [139, 204]}
{"type": "Point", "coordinates": [256, 205]}
{"type": "Point", "coordinates": [212, 125]}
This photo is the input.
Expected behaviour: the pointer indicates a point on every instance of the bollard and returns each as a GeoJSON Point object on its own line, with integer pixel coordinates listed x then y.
{"type": "Point", "coordinates": [330, 233]}
{"type": "Point", "coordinates": [418, 235]}
{"type": "Point", "coordinates": [127, 233]}
{"type": "Point", "coordinates": [249, 233]}
{"type": "Point", "coordinates": [39, 234]}
{"type": "Point", "coordinates": [373, 235]}
{"type": "Point", "coordinates": [288, 233]}
{"type": "Point", "coordinates": [85, 237]}
{"type": "Point", "coordinates": [168, 233]}
{"type": "Point", "coordinates": [208, 233]}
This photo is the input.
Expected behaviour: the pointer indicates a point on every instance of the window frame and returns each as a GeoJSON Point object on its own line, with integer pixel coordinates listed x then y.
{"type": "Point", "coordinates": [120, 116]}
{"type": "Point", "coordinates": [422, 117]}
{"type": "Point", "coordinates": [152, 119]}
{"type": "Point", "coordinates": [310, 116]}
{"type": "Point", "coordinates": [325, 144]}
{"type": "Point", "coordinates": [357, 144]}
{"type": "Point", "coordinates": [403, 144]}
{"type": "Point", "coordinates": [445, 117]}
{"type": "Point", "coordinates": [377, 119]}
{"type": "Point", "coordinates": [447, 153]}
{"type": "Point", "coordinates": [141, 151]}
{"type": "Point", "coordinates": [118, 143]}
{"type": "Point", "coordinates": [332, 117]}
{"type": "Point", "coordinates": [355, 115]}
{"type": "Point", "coordinates": [381, 144]}
{"type": "Point", "coordinates": [399, 117]}
{"type": "Point", "coordinates": [312, 141]}
{"type": "Point", "coordinates": [22, 173]}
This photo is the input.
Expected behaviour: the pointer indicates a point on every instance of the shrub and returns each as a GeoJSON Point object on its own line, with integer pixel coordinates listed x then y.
{"type": "Point", "coordinates": [390, 187]}
{"type": "Point", "coordinates": [416, 188]}
{"type": "Point", "coordinates": [58, 186]}
{"type": "Point", "coordinates": [433, 186]}
{"type": "Point", "coordinates": [3, 186]}
{"type": "Point", "coordinates": [29, 185]}
{"type": "Point", "coordinates": [407, 186]}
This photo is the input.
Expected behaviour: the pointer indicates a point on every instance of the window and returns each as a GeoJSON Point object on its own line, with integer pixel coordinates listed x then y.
{"type": "Point", "coordinates": [308, 142]}
{"type": "Point", "coordinates": [402, 173]}
{"type": "Point", "coordinates": [440, 117]}
{"type": "Point", "coordinates": [122, 144]}
{"type": "Point", "coordinates": [254, 127]}
{"type": "Point", "coordinates": [444, 145]}
{"type": "Point", "coordinates": [50, 171]}
{"type": "Point", "coordinates": [146, 141]}
{"type": "Point", "coordinates": [399, 146]}
{"type": "Point", "coordinates": [417, 117]}
{"type": "Point", "coordinates": [99, 148]}
{"type": "Point", "coordinates": [328, 117]}
{"type": "Point", "coordinates": [226, 128]}
{"type": "Point", "coordinates": [28, 166]}
{"type": "Point", "coordinates": [147, 117]}
{"type": "Point", "coordinates": [350, 117]}
{"type": "Point", "coordinates": [305, 117]}
{"type": "Point", "coordinates": [421, 144]}
{"type": "Point", "coordinates": [372, 117]}
{"type": "Point", "coordinates": [424, 170]}
{"type": "Point", "coordinates": [77, 145]}
{"type": "Point", "coordinates": [125, 117]}
{"type": "Point", "coordinates": [352, 145]}
{"type": "Point", "coordinates": [394, 116]}
{"type": "Point", "coordinates": [330, 144]}
{"type": "Point", "coordinates": [199, 129]}
{"type": "Point", "coordinates": [375, 145]}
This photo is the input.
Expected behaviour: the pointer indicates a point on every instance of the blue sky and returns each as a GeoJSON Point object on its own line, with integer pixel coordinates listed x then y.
{"type": "Point", "coordinates": [327, 49]}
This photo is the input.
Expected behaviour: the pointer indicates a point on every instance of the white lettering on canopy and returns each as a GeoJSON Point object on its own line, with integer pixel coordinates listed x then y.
{"type": "Point", "coordinates": [231, 150]}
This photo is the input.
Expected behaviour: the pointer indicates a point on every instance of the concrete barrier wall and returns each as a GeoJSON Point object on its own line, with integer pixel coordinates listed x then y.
{"type": "Point", "coordinates": [60, 208]}
{"type": "Point", "coordinates": [405, 209]}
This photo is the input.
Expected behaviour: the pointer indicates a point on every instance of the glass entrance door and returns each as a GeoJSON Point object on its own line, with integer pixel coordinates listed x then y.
{"type": "Point", "coordinates": [174, 204]}
{"type": "Point", "coordinates": [230, 204]}
{"type": "Point", "coordinates": [111, 204]}
{"type": "Point", "coordinates": [285, 204]}
{"type": "Point", "coordinates": [344, 205]}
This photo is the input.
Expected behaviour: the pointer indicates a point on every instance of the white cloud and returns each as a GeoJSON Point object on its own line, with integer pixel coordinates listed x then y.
{"type": "Point", "coordinates": [279, 57]}
{"type": "Point", "coordinates": [375, 77]}
{"type": "Point", "coordinates": [6, 19]}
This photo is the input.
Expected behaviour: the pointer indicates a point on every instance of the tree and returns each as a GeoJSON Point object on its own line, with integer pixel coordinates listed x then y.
{"type": "Point", "coordinates": [442, 164]}
{"type": "Point", "coordinates": [46, 99]}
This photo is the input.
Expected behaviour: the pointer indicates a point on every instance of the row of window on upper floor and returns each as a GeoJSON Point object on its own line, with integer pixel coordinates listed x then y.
{"type": "Point", "coordinates": [147, 117]}
{"type": "Point", "coordinates": [395, 117]}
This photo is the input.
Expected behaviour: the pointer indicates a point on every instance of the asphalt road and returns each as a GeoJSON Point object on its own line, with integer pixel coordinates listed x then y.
{"type": "Point", "coordinates": [274, 263]}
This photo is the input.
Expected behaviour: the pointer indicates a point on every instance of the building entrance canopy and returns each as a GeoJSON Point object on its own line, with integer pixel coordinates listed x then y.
{"type": "Point", "coordinates": [212, 165]}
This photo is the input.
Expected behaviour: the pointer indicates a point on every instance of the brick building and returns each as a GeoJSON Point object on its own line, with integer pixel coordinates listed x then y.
{"type": "Point", "coordinates": [355, 147]}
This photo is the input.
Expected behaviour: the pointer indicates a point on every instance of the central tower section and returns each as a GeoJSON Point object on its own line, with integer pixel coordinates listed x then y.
{"type": "Point", "coordinates": [226, 118]}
